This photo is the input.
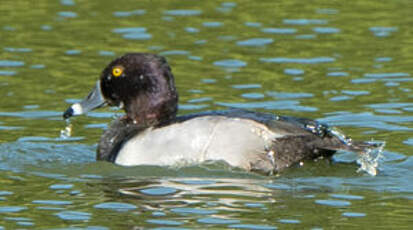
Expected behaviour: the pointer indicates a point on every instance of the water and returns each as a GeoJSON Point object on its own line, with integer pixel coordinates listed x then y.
{"type": "Point", "coordinates": [344, 64]}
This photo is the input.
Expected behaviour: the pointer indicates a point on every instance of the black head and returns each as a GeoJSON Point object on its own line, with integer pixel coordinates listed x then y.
{"type": "Point", "coordinates": [141, 83]}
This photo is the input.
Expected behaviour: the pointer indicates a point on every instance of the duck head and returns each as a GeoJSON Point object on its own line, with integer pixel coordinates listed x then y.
{"type": "Point", "coordinates": [140, 83]}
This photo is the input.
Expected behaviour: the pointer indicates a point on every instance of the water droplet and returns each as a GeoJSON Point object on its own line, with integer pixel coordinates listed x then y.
{"type": "Point", "coordinates": [67, 131]}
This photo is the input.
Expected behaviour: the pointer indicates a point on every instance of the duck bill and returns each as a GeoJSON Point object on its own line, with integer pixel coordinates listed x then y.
{"type": "Point", "coordinates": [93, 101]}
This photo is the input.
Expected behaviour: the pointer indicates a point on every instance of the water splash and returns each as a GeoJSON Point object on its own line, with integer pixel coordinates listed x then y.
{"type": "Point", "coordinates": [67, 131]}
{"type": "Point", "coordinates": [341, 136]}
{"type": "Point", "coordinates": [369, 159]}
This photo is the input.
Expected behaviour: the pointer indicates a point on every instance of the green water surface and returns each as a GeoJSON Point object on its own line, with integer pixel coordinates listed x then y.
{"type": "Point", "coordinates": [346, 63]}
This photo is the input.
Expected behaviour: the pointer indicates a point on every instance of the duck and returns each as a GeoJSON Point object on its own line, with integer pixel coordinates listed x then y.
{"type": "Point", "coordinates": [151, 133]}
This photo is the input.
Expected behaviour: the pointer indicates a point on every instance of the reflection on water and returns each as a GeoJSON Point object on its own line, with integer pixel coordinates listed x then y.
{"type": "Point", "coordinates": [327, 61]}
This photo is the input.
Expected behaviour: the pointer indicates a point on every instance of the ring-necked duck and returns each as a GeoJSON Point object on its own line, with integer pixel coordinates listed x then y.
{"type": "Point", "coordinates": [152, 134]}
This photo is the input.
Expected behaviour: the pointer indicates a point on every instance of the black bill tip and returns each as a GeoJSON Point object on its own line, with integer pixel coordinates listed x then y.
{"type": "Point", "coordinates": [68, 113]}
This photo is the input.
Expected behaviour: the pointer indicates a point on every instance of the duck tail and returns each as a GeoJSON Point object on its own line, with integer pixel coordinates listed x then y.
{"type": "Point", "coordinates": [290, 150]}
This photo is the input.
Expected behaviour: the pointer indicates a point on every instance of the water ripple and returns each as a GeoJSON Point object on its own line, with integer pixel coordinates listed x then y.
{"type": "Point", "coordinates": [46, 27]}
{"type": "Point", "coordinates": [289, 221]}
{"type": "Point", "coordinates": [279, 30]}
{"type": "Point", "coordinates": [326, 30]}
{"type": "Point", "coordinates": [285, 95]}
{"type": "Point", "coordinates": [61, 186]}
{"type": "Point", "coordinates": [327, 11]}
{"type": "Point", "coordinates": [306, 36]}
{"type": "Point", "coordinates": [67, 2]}
{"type": "Point", "coordinates": [270, 105]}
{"type": "Point", "coordinates": [24, 223]}
{"type": "Point", "coordinates": [213, 220]}
{"type": "Point", "coordinates": [106, 53]}
{"type": "Point", "coordinates": [230, 63]}
{"type": "Point", "coordinates": [294, 72]}
{"type": "Point", "coordinates": [37, 66]}
{"type": "Point", "coordinates": [253, 95]}
{"type": "Point", "coordinates": [383, 59]}
{"type": "Point", "coordinates": [125, 30]}
{"type": "Point", "coordinates": [174, 52]}
{"type": "Point", "coordinates": [128, 13]}
{"type": "Point", "coordinates": [7, 63]}
{"type": "Point", "coordinates": [74, 215]}
{"type": "Point", "coordinates": [7, 73]}
{"type": "Point", "coordinates": [335, 203]}
{"type": "Point", "coordinates": [67, 14]}
{"type": "Point", "coordinates": [304, 21]}
{"type": "Point", "coordinates": [253, 24]}
{"type": "Point", "coordinates": [183, 12]}
{"type": "Point", "coordinates": [340, 98]}
{"type": "Point", "coordinates": [117, 206]}
{"type": "Point", "coordinates": [191, 30]}
{"type": "Point", "coordinates": [255, 42]}
{"type": "Point", "coordinates": [133, 33]}
{"type": "Point", "coordinates": [11, 209]}
{"type": "Point", "coordinates": [368, 120]}
{"type": "Point", "coordinates": [408, 141]}
{"type": "Point", "coordinates": [383, 31]}
{"type": "Point", "coordinates": [315, 60]}
{"type": "Point", "coordinates": [137, 36]}
{"type": "Point", "coordinates": [73, 52]}
{"type": "Point", "coordinates": [164, 222]}
{"type": "Point", "coordinates": [212, 24]}
{"type": "Point", "coordinates": [337, 74]}
{"type": "Point", "coordinates": [5, 193]}
{"type": "Point", "coordinates": [18, 50]}
{"type": "Point", "coordinates": [197, 211]}
{"type": "Point", "coordinates": [355, 92]}
{"type": "Point", "coordinates": [347, 196]}
{"type": "Point", "coordinates": [192, 106]}
{"type": "Point", "coordinates": [386, 75]}
{"type": "Point", "coordinates": [52, 202]}
{"type": "Point", "coordinates": [353, 214]}
{"type": "Point", "coordinates": [247, 86]}
{"type": "Point", "coordinates": [252, 226]}
{"type": "Point", "coordinates": [158, 191]}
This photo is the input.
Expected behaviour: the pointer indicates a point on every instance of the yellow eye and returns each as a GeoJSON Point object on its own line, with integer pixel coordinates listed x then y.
{"type": "Point", "coordinates": [117, 71]}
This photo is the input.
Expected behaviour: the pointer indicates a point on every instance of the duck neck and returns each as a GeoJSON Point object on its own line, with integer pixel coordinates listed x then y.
{"type": "Point", "coordinates": [147, 113]}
